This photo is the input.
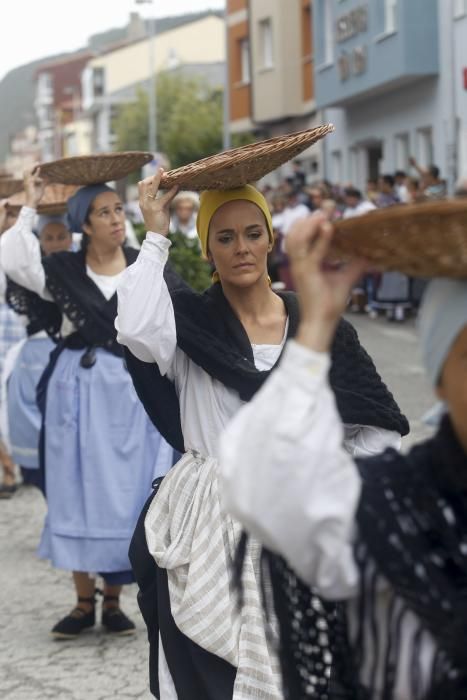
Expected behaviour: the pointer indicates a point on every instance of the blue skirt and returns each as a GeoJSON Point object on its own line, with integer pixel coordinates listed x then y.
{"type": "Point", "coordinates": [101, 455]}
{"type": "Point", "coordinates": [24, 417]}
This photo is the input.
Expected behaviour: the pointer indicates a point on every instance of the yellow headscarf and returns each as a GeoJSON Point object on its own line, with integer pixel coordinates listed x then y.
{"type": "Point", "coordinates": [211, 200]}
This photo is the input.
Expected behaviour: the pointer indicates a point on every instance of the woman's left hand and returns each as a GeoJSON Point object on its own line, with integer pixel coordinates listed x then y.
{"type": "Point", "coordinates": [323, 287]}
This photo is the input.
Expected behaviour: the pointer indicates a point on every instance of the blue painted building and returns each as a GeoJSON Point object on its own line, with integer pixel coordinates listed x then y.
{"type": "Point", "coordinates": [389, 75]}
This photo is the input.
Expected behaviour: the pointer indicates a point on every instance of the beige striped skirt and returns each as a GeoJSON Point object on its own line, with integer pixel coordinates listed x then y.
{"type": "Point", "coordinates": [190, 536]}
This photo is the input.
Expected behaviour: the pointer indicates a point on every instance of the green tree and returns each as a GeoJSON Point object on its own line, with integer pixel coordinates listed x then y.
{"type": "Point", "coordinates": [189, 120]}
{"type": "Point", "coordinates": [185, 256]}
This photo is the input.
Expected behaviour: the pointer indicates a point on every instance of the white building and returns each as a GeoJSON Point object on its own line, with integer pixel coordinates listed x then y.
{"type": "Point", "coordinates": [114, 77]}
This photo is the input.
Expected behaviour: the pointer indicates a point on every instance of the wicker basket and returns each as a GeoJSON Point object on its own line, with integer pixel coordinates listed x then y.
{"type": "Point", "coordinates": [53, 202]}
{"type": "Point", "coordinates": [9, 186]}
{"type": "Point", "coordinates": [420, 240]}
{"type": "Point", "coordinates": [92, 170]}
{"type": "Point", "coordinates": [239, 166]}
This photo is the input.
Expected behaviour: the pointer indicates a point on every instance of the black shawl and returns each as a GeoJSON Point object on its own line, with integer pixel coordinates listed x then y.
{"type": "Point", "coordinates": [412, 522]}
{"type": "Point", "coordinates": [80, 299]}
{"type": "Point", "coordinates": [212, 336]}
{"type": "Point", "coordinates": [41, 315]}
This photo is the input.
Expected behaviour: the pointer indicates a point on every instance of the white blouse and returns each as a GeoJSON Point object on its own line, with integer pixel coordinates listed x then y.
{"type": "Point", "coordinates": [21, 259]}
{"type": "Point", "coordinates": [287, 475]}
{"type": "Point", "coordinates": [146, 325]}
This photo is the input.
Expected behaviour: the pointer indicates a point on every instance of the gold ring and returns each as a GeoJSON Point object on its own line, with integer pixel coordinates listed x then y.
{"type": "Point", "coordinates": [151, 196]}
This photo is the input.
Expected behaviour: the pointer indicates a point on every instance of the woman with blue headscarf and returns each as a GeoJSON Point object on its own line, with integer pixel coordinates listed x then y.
{"type": "Point", "coordinates": [100, 450]}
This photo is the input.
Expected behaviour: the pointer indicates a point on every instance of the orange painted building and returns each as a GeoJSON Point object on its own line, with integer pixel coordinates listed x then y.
{"type": "Point", "coordinates": [270, 55]}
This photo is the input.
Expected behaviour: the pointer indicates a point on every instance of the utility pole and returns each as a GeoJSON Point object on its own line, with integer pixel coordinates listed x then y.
{"type": "Point", "coordinates": [226, 110]}
{"type": "Point", "coordinates": [152, 84]}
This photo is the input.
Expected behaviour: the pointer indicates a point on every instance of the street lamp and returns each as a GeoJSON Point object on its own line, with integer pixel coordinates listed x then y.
{"type": "Point", "coordinates": [152, 107]}
{"type": "Point", "coordinates": [226, 106]}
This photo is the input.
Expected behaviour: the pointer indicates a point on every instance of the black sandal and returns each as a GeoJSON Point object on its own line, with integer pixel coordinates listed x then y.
{"type": "Point", "coordinates": [114, 619]}
{"type": "Point", "coordinates": [7, 490]}
{"type": "Point", "coordinates": [78, 620]}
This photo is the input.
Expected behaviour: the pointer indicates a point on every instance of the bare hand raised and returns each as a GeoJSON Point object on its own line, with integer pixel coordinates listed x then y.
{"type": "Point", "coordinates": [323, 287]}
{"type": "Point", "coordinates": [34, 186]}
{"type": "Point", "coordinates": [155, 207]}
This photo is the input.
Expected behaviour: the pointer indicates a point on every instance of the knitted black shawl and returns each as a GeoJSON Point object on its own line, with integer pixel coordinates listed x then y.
{"type": "Point", "coordinates": [212, 336]}
{"type": "Point", "coordinates": [412, 522]}
{"type": "Point", "coordinates": [41, 315]}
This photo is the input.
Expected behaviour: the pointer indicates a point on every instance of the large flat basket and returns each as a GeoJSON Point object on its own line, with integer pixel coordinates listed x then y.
{"type": "Point", "coordinates": [240, 166]}
{"type": "Point", "coordinates": [420, 240]}
{"type": "Point", "coordinates": [53, 202]}
{"type": "Point", "coordinates": [9, 186]}
{"type": "Point", "coordinates": [96, 169]}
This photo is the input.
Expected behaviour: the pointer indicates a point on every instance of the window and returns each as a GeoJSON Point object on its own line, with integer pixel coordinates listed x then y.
{"type": "Point", "coordinates": [98, 81]}
{"type": "Point", "coordinates": [425, 147]}
{"type": "Point", "coordinates": [45, 87]}
{"type": "Point", "coordinates": [390, 15]}
{"type": "Point", "coordinates": [266, 43]}
{"type": "Point", "coordinates": [460, 8]}
{"type": "Point", "coordinates": [245, 60]}
{"type": "Point", "coordinates": [402, 151]}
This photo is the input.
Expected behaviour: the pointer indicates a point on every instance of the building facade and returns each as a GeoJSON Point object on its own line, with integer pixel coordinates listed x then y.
{"type": "Point", "coordinates": [114, 77]}
{"type": "Point", "coordinates": [389, 74]}
{"type": "Point", "coordinates": [58, 101]}
{"type": "Point", "coordinates": [270, 54]}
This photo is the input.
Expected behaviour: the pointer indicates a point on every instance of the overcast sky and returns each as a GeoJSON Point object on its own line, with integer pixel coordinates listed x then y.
{"type": "Point", "coordinates": [32, 29]}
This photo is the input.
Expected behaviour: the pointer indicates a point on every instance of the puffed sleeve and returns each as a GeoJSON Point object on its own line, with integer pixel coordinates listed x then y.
{"type": "Point", "coordinates": [20, 254]}
{"type": "Point", "coordinates": [146, 321]}
{"type": "Point", "coordinates": [287, 477]}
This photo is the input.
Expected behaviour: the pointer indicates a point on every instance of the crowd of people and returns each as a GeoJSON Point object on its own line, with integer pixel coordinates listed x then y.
{"type": "Point", "coordinates": [238, 446]}
{"type": "Point", "coordinates": [393, 295]}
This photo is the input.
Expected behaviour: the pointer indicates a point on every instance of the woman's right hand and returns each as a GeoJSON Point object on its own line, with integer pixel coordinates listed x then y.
{"type": "Point", "coordinates": [34, 186]}
{"type": "Point", "coordinates": [155, 209]}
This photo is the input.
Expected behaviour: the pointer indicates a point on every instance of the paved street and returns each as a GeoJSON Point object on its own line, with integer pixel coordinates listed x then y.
{"type": "Point", "coordinates": [34, 596]}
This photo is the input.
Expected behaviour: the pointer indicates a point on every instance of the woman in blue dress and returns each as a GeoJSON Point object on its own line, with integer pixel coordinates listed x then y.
{"type": "Point", "coordinates": [29, 358]}
{"type": "Point", "coordinates": [100, 450]}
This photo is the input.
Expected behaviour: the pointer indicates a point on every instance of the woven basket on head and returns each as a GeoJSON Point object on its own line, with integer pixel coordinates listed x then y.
{"type": "Point", "coordinates": [239, 166]}
{"type": "Point", "coordinates": [9, 186]}
{"type": "Point", "coordinates": [53, 202]}
{"type": "Point", "coordinates": [420, 240]}
{"type": "Point", "coordinates": [92, 170]}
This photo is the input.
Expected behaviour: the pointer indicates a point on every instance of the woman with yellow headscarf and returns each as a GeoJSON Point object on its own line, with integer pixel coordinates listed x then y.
{"type": "Point", "coordinates": [194, 359]}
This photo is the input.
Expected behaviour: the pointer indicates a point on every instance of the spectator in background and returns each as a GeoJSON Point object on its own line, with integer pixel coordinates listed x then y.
{"type": "Point", "coordinates": [316, 198]}
{"type": "Point", "coordinates": [362, 293]}
{"type": "Point", "coordinates": [293, 211]}
{"type": "Point", "coordinates": [183, 216]}
{"type": "Point", "coordinates": [298, 177]}
{"type": "Point", "coordinates": [372, 191]}
{"type": "Point", "coordinates": [413, 188]}
{"type": "Point", "coordinates": [387, 194]}
{"type": "Point", "coordinates": [355, 205]}
{"type": "Point", "coordinates": [401, 188]}
{"type": "Point", "coordinates": [433, 186]}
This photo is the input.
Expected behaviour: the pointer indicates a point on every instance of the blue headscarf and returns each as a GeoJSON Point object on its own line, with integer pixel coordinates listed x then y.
{"type": "Point", "coordinates": [80, 203]}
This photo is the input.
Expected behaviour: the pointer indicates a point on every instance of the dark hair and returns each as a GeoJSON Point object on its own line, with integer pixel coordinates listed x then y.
{"type": "Point", "coordinates": [352, 192]}
{"type": "Point", "coordinates": [400, 173]}
{"type": "Point", "coordinates": [434, 171]}
{"type": "Point", "coordinates": [388, 179]}
{"type": "Point", "coordinates": [85, 238]}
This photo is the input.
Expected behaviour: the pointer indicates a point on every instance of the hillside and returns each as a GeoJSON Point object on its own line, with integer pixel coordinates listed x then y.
{"type": "Point", "coordinates": [17, 87]}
